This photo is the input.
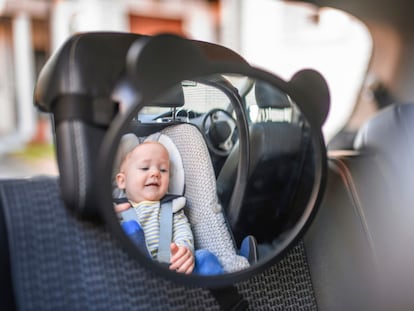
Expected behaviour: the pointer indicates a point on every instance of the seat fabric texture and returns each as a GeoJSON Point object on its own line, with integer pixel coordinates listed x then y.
{"type": "Point", "coordinates": [59, 262]}
{"type": "Point", "coordinates": [360, 245]}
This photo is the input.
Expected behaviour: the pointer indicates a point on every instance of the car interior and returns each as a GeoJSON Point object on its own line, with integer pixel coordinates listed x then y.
{"type": "Point", "coordinates": [340, 237]}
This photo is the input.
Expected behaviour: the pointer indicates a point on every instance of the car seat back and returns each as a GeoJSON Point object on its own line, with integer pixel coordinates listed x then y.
{"type": "Point", "coordinates": [359, 245]}
{"type": "Point", "coordinates": [60, 262]}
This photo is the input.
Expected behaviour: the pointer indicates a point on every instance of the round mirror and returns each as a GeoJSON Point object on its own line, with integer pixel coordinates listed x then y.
{"type": "Point", "coordinates": [213, 174]}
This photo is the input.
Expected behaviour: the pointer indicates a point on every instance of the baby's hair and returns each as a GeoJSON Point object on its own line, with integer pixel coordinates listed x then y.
{"type": "Point", "coordinates": [143, 144]}
{"type": "Point", "coordinates": [127, 144]}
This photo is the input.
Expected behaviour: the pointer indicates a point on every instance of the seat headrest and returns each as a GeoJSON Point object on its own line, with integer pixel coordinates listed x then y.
{"type": "Point", "coordinates": [174, 97]}
{"type": "Point", "coordinates": [388, 131]}
{"type": "Point", "coordinates": [87, 64]}
{"type": "Point", "coordinates": [389, 136]}
{"type": "Point", "coordinates": [268, 96]}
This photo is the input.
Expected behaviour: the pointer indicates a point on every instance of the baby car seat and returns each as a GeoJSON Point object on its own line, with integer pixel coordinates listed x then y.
{"type": "Point", "coordinates": [192, 175]}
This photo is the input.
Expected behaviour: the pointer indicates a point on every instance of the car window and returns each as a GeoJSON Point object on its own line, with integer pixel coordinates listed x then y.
{"type": "Point", "coordinates": [199, 98]}
{"type": "Point", "coordinates": [284, 37]}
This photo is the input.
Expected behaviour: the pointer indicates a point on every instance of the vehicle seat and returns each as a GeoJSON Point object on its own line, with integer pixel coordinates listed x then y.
{"type": "Point", "coordinates": [360, 244]}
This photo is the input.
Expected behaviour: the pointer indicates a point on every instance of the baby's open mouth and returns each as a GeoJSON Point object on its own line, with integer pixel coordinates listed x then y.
{"type": "Point", "coordinates": [153, 184]}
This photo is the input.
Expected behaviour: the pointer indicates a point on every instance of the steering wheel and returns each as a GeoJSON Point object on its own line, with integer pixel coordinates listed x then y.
{"type": "Point", "coordinates": [218, 128]}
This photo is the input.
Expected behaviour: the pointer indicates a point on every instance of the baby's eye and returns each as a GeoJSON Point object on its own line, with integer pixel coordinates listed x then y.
{"type": "Point", "coordinates": [143, 168]}
{"type": "Point", "coordinates": [163, 170]}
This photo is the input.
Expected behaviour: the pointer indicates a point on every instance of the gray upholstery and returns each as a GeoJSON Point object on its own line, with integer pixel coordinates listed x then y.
{"type": "Point", "coordinates": [203, 209]}
{"type": "Point", "coordinates": [339, 244]}
{"type": "Point", "coordinates": [59, 262]}
{"type": "Point", "coordinates": [360, 245]}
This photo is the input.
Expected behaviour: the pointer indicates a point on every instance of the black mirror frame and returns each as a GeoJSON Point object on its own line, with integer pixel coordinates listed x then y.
{"type": "Point", "coordinates": [188, 64]}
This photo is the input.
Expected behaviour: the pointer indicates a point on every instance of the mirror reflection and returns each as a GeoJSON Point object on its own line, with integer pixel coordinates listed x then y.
{"type": "Point", "coordinates": [176, 169]}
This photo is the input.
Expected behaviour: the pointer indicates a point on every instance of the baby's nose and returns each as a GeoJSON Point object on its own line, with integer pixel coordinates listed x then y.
{"type": "Point", "coordinates": [155, 172]}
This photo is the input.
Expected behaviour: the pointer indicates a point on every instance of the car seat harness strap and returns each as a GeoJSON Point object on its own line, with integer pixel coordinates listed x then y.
{"type": "Point", "coordinates": [165, 232]}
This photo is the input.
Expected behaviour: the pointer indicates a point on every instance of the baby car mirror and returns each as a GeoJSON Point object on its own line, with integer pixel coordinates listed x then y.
{"type": "Point", "coordinates": [215, 169]}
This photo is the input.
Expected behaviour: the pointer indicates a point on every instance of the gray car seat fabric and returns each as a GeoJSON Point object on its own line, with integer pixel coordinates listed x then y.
{"type": "Point", "coordinates": [59, 262]}
{"type": "Point", "coordinates": [339, 243]}
{"type": "Point", "coordinates": [388, 139]}
{"type": "Point", "coordinates": [360, 244]}
{"type": "Point", "coordinates": [203, 208]}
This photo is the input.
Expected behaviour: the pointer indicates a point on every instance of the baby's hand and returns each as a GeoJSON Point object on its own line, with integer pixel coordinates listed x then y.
{"type": "Point", "coordinates": [182, 259]}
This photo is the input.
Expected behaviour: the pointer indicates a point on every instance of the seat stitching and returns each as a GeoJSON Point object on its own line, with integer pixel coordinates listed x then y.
{"type": "Point", "coordinates": [80, 163]}
{"type": "Point", "coordinates": [352, 190]}
{"type": "Point", "coordinates": [72, 55]}
{"type": "Point", "coordinates": [405, 128]}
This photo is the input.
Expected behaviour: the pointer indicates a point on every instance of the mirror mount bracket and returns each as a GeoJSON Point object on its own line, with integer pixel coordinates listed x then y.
{"type": "Point", "coordinates": [229, 298]}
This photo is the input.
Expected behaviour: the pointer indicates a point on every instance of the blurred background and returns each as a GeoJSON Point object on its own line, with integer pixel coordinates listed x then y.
{"type": "Point", "coordinates": [279, 36]}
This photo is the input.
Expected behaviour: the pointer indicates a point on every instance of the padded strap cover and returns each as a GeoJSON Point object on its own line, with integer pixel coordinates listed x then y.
{"type": "Point", "coordinates": [166, 227]}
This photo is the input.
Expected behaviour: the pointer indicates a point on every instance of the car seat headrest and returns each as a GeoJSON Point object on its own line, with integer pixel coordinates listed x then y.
{"type": "Point", "coordinates": [389, 136]}
{"type": "Point", "coordinates": [81, 68]}
{"type": "Point", "coordinates": [268, 96]}
{"type": "Point", "coordinates": [393, 125]}
{"type": "Point", "coordinates": [76, 85]}
{"type": "Point", "coordinates": [174, 97]}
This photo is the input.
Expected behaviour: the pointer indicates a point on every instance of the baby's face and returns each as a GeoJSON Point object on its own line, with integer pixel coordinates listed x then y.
{"type": "Point", "coordinates": [145, 173]}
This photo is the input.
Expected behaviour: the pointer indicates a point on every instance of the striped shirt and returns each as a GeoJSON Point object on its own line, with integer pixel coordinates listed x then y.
{"type": "Point", "coordinates": [149, 218]}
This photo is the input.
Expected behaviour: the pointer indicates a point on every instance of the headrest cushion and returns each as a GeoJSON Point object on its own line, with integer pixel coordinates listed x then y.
{"type": "Point", "coordinates": [268, 96]}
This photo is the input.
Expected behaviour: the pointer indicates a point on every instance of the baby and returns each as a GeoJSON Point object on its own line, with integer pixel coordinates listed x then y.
{"type": "Point", "coordinates": [144, 176]}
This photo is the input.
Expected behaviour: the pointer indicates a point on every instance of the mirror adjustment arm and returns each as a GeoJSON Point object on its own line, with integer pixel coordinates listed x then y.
{"type": "Point", "coordinates": [229, 299]}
